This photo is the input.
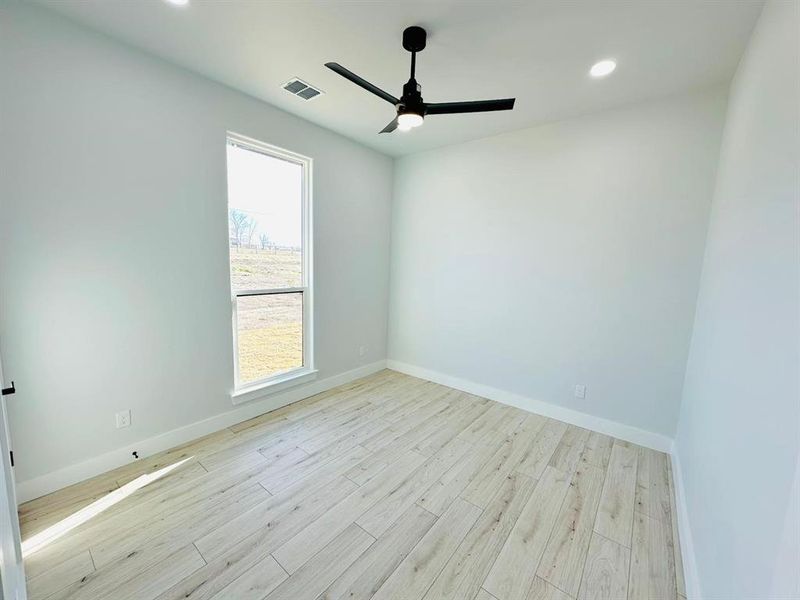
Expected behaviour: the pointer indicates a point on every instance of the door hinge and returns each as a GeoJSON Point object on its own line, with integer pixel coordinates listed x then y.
{"type": "Point", "coordinates": [11, 454]}
{"type": "Point", "coordinates": [9, 390]}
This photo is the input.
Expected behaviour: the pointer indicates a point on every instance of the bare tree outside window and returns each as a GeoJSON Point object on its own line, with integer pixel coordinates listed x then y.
{"type": "Point", "coordinates": [241, 226]}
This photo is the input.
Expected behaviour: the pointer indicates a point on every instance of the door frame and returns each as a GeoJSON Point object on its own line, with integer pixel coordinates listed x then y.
{"type": "Point", "coordinates": [12, 570]}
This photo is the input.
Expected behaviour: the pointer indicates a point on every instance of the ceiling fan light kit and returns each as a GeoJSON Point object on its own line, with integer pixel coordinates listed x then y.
{"type": "Point", "coordinates": [408, 120]}
{"type": "Point", "coordinates": [411, 109]}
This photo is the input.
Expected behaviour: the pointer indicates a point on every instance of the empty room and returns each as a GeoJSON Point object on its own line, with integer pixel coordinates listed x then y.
{"type": "Point", "coordinates": [425, 300]}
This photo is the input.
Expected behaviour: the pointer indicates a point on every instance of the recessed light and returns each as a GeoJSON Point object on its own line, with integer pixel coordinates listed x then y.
{"type": "Point", "coordinates": [603, 68]}
{"type": "Point", "coordinates": [178, 2]}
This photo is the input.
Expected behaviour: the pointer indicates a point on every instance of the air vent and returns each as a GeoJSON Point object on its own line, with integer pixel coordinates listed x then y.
{"type": "Point", "coordinates": [298, 87]}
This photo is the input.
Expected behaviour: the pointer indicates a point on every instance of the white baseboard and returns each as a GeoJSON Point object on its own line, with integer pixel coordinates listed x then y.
{"type": "Point", "coordinates": [649, 439]}
{"type": "Point", "coordinates": [693, 591]}
{"type": "Point", "coordinates": [55, 480]}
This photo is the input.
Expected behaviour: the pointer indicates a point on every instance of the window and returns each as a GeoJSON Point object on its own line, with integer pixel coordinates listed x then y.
{"type": "Point", "coordinates": [270, 263]}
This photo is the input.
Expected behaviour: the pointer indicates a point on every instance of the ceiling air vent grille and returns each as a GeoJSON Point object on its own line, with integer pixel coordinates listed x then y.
{"type": "Point", "coordinates": [298, 87]}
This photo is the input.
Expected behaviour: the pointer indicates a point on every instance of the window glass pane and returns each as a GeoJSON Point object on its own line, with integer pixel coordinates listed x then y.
{"type": "Point", "coordinates": [269, 335]}
{"type": "Point", "coordinates": [265, 214]}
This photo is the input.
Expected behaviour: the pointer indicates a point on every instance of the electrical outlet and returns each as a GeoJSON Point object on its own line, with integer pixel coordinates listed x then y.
{"type": "Point", "coordinates": [124, 419]}
{"type": "Point", "coordinates": [362, 351]}
{"type": "Point", "coordinates": [580, 391]}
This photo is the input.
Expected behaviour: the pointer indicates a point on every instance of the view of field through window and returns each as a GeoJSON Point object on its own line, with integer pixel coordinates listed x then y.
{"type": "Point", "coordinates": [265, 226]}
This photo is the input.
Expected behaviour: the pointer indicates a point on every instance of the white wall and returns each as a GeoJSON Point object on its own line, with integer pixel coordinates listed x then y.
{"type": "Point", "coordinates": [738, 435]}
{"type": "Point", "coordinates": [560, 255]}
{"type": "Point", "coordinates": [114, 285]}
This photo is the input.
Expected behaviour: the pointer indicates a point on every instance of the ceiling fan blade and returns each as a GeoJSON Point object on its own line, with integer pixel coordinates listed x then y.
{"type": "Point", "coordinates": [390, 127]}
{"type": "Point", "coordinates": [449, 108]}
{"type": "Point", "coordinates": [337, 68]}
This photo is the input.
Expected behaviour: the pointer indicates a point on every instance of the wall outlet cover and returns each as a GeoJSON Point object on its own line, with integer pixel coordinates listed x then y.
{"type": "Point", "coordinates": [123, 419]}
{"type": "Point", "coordinates": [580, 391]}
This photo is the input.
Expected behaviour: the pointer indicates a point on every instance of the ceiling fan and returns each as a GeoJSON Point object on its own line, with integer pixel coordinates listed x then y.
{"type": "Point", "coordinates": [411, 109]}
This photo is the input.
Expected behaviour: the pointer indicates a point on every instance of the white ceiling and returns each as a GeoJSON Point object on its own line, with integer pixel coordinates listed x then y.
{"type": "Point", "coordinates": [539, 51]}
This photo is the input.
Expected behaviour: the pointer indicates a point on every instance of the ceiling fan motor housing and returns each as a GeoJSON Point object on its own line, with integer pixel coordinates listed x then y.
{"type": "Point", "coordinates": [411, 100]}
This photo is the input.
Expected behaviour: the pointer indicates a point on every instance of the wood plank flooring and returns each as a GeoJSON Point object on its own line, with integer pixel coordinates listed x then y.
{"type": "Point", "coordinates": [389, 487]}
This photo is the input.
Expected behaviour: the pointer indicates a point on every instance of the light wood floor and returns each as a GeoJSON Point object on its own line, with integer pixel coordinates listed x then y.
{"type": "Point", "coordinates": [390, 488]}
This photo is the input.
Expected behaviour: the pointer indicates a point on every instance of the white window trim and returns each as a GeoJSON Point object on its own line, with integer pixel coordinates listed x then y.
{"type": "Point", "coordinates": [306, 373]}
{"type": "Point", "coordinates": [277, 383]}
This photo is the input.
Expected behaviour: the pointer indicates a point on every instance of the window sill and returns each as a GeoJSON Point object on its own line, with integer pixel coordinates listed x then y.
{"type": "Point", "coordinates": [278, 384]}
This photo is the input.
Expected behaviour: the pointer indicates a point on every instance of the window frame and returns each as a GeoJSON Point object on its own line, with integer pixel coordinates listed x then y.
{"type": "Point", "coordinates": [306, 372]}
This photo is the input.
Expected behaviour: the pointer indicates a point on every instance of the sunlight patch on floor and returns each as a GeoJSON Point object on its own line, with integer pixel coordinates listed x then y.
{"type": "Point", "coordinates": [52, 533]}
